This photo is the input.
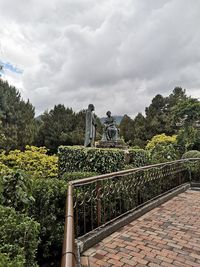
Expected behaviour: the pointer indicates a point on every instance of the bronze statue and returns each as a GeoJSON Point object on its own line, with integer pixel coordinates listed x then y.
{"type": "Point", "coordinates": [110, 129]}
{"type": "Point", "coordinates": [90, 127]}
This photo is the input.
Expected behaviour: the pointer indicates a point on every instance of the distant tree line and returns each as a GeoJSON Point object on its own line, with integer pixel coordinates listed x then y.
{"type": "Point", "coordinates": [176, 113]}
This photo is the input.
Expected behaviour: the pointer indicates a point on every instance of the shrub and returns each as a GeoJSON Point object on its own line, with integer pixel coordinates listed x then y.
{"type": "Point", "coordinates": [34, 160]}
{"type": "Point", "coordinates": [18, 236]}
{"type": "Point", "coordinates": [191, 154]}
{"type": "Point", "coordinates": [16, 190]}
{"type": "Point", "coordinates": [6, 261]}
{"type": "Point", "coordinates": [138, 157]}
{"type": "Point", "coordinates": [81, 159]}
{"type": "Point", "coordinates": [163, 153]}
{"type": "Point", "coordinates": [161, 139]}
{"type": "Point", "coordinates": [49, 210]}
{"type": "Point", "coordinates": [70, 176]}
{"type": "Point", "coordinates": [4, 169]}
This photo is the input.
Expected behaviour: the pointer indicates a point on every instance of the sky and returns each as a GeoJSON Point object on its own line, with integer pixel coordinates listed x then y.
{"type": "Point", "coordinates": [116, 54]}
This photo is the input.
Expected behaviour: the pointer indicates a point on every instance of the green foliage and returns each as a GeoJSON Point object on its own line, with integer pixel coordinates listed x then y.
{"type": "Point", "coordinates": [16, 191]}
{"type": "Point", "coordinates": [62, 126]}
{"type": "Point", "coordinates": [193, 167]}
{"type": "Point", "coordinates": [188, 138]}
{"type": "Point", "coordinates": [163, 153]}
{"type": "Point", "coordinates": [162, 148]}
{"type": "Point", "coordinates": [126, 128]}
{"type": "Point", "coordinates": [70, 176]}
{"type": "Point", "coordinates": [33, 160]}
{"type": "Point", "coordinates": [76, 159]}
{"type": "Point", "coordinates": [161, 139]}
{"type": "Point", "coordinates": [138, 157]}
{"type": "Point", "coordinates": [6, 261]}
{"type": "Point", "coordinates": [191, 154]}
{"type": "Point", "coordinates": [16, 119]}
{"type": "Point", "coordinates": [49, 210]}
{"type": "Point", "coordinates": [18, 237]}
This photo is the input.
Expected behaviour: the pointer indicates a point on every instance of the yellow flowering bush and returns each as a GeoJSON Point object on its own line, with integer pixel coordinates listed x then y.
{"type": "Point", "coordinates": [34, 160]}
{"type": "Point", "coordinates": [161, 139]}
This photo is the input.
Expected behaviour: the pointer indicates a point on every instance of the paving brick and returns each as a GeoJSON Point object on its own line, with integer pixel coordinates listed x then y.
{"type": "Point", "coordinates": [166, 236]}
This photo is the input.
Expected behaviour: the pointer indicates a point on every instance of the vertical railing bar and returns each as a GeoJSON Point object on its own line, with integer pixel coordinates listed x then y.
{"type": "Point", "coordinates": [91, 208]}
{"type": "Point", "coordinates": [98, 187]}
{"type": "Point", "coordinates": [84, 215]}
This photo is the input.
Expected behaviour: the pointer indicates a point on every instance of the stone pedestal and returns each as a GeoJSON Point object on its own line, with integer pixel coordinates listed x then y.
{"type": "Point", "coordinates": [111, 144]}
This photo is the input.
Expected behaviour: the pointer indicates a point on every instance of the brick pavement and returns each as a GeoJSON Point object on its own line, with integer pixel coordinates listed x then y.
{"type": "Point", "coordinates": [166, 236]}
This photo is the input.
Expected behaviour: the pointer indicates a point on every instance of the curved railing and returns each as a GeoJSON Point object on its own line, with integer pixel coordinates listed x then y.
{"type": "Point", "coordinates": [95, 201]}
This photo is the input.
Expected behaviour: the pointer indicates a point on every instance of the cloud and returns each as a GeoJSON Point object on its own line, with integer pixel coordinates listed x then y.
{"type": "Point", "coordinates": [112, 53]}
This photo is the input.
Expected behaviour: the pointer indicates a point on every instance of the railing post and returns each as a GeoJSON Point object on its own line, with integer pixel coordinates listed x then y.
{"type": "Point", "coordinates": [98, 188]}
{"type": "Point", "coordinates": [68, 251]}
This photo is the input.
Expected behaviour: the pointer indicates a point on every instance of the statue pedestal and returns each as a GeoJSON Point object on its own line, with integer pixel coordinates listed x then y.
{"type": "Point", "coordinates": [111, 144]}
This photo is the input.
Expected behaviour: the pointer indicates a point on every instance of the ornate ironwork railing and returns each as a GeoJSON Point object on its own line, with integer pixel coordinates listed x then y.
{"type": "Point", "coordinates": [93, 202]}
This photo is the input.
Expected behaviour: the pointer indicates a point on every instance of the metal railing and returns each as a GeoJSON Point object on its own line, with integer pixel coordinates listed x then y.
{"type": "Point", "coordinates": [93, 202]}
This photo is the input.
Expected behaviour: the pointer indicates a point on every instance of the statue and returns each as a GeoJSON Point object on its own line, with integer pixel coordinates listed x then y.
{"type": "Point", "coordinates": [90, 127]}
{"type": "Point", "coordinates": [110, 129]}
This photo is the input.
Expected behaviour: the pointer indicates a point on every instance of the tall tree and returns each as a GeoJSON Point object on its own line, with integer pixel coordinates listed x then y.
{"type": "Point", "coordinates": [17, 118]}
{"type": "Point", "coordinates": [127, 128]}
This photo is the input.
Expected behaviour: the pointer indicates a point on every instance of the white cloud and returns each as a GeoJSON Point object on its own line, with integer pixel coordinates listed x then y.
{"type": "Point", "coordinates": [113, 53]}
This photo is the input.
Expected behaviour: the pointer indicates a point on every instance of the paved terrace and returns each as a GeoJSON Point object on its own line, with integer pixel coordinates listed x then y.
{"type": "Point", "coordinates": [166, 236]}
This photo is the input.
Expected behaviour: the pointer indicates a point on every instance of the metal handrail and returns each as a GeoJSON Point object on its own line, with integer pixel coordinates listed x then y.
{"type": "Point", "coordinates": [68, 251]}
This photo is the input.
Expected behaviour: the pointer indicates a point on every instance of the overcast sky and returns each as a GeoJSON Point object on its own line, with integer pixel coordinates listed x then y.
{"type": "Point", "coordinates": [116, 54]}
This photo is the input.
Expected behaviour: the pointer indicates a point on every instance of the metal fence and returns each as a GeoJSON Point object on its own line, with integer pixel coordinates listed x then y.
{"type": "Point", "coordinates": [93, 202]}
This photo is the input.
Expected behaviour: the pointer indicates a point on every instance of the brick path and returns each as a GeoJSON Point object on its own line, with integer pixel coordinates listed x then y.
{"type": "Point", "coordinates": [166, 236]}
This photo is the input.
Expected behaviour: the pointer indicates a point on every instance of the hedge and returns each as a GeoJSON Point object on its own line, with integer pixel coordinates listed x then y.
{"type": "Point", "coordinates": [139, 157]}
{"type": "Point", "coordinates": [98, 160]}
{"type": "Point", "coordinates": [19, 237]}
{"type": "Point", "coordinates": [70, 176]}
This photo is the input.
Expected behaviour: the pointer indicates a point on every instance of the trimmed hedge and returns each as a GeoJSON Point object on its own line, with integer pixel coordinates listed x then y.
{"type": "Point", "coordinates": [98, 160]}
{"type": "Point", "coordinates": [139, 157]}
{"type": "Point", "coordinates": [19, 237]}
{"type": "Point", "coordinates": [49, 210]}
{"type": "Point", "coordinates": [70, 176]}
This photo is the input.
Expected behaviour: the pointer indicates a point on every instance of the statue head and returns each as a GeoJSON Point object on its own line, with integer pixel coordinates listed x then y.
{"type": "Point", "coordinates": [108, 113]}
{"type": "Point", "coordinates": [91, 107]}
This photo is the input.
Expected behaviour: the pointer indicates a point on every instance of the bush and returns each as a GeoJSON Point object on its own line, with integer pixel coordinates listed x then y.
{"type": "Point", "coordinates": [16, 190]}
{"type": "Point", "coordinates": [18, 236]}
{"type": "Point", "coordinates": [70, 176]}
{"type": "Point", "coordinates": [193, 166]}
{"type": "Point", "coordinates": [191, 154]}
{"type": "Point", "coordinates": [138, 157]}
{"type": "Point", "coordinates": [49, 210]}
{"type": "Point", "coordinates": [161, 139]}
{"type": "Point", "coordinates": [6, 261]}
{"type": "Point", "coordinates": [34, 160]}
{"type": "Point", "coordinates": [163, 153]}
{"type": "Point", "coordinates": [98, 160]}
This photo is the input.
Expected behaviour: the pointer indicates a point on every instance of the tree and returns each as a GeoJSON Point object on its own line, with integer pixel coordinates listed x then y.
{"type": "Point", "coordinates": [17, 118]}
{"type": "Point", "coordinates": [127, 128]}
{"type": "Point", "coordinates": [62, 126]}
{"type": "Point", "coordinates": [140, 133]}
{"type": "Point", "coordinates": [187, 117]}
